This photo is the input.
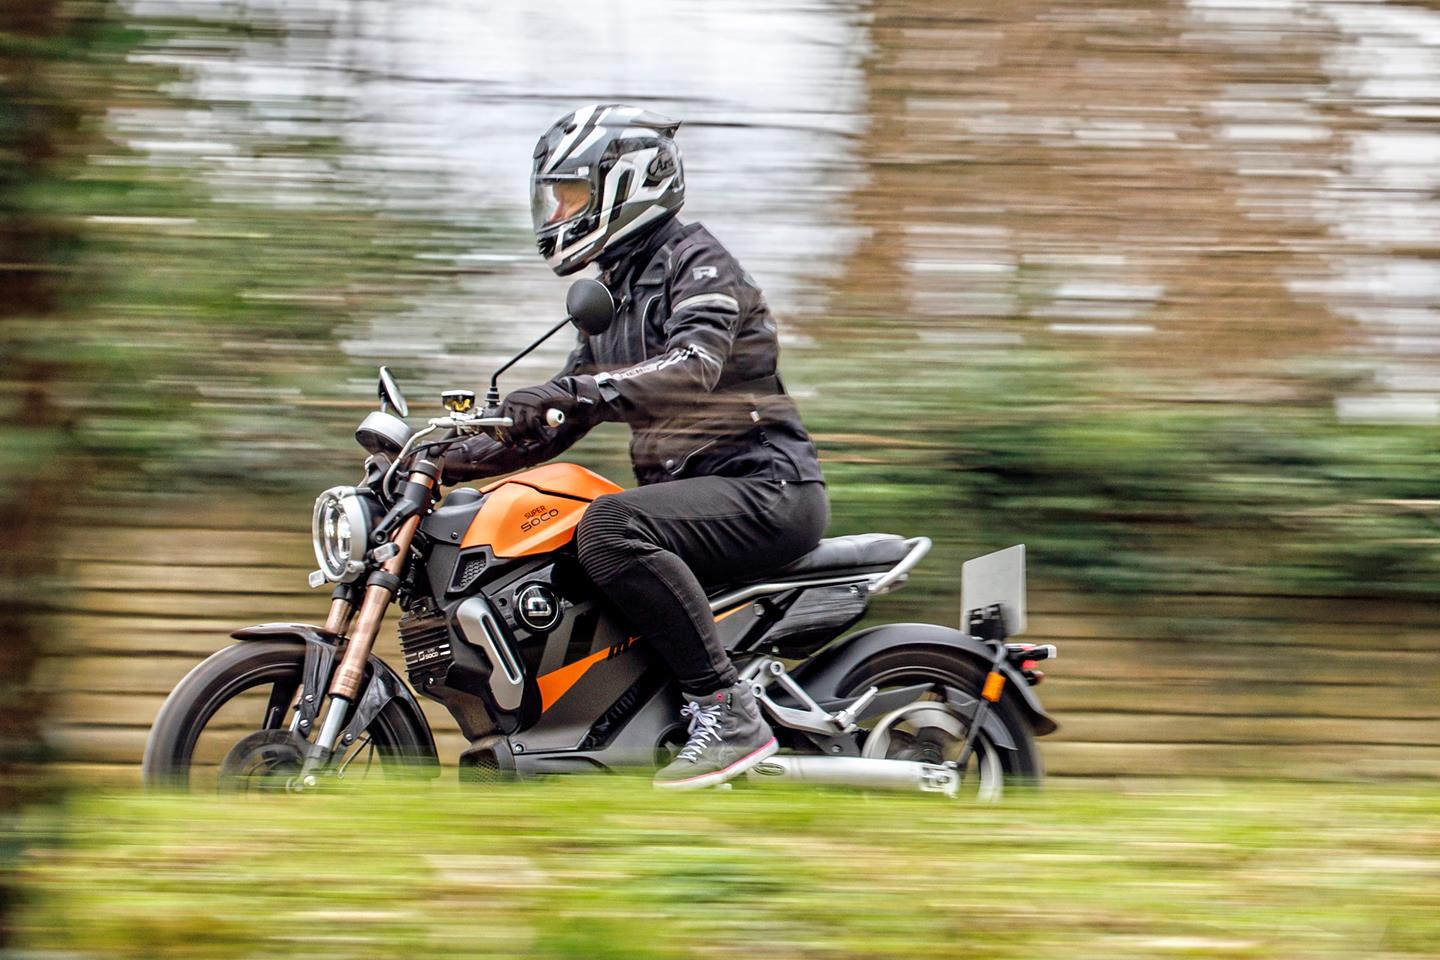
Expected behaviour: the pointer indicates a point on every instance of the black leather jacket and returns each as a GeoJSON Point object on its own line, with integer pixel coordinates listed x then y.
{"type": "Point", "coordinates": [689, 363]}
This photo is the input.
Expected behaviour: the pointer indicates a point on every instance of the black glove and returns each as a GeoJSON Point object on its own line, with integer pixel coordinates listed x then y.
{"type": "Point", "coordinates": [528, 405]}
{"type": "Point", "coordinates": [469, 460]}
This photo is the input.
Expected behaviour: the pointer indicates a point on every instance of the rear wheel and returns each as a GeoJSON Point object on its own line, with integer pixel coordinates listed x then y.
{"type": "Point", "coordinates": [930, 731]}
{"type": "Point", "coordinates": [226, 726]}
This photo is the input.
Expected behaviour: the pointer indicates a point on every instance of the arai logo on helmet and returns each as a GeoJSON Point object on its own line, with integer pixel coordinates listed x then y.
{"type": "Point", "coordinates": [662, 165]}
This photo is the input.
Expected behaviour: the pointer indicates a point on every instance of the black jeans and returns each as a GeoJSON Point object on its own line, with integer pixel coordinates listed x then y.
{"type": "Point", "coordinates": [651, 548]}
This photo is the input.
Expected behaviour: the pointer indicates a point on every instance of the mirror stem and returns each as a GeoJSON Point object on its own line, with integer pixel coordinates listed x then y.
{"type": "Point", "coordinates": [492, 396]}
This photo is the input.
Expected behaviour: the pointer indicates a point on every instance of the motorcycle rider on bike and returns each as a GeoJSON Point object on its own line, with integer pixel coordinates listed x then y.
{"type": "Point", "coordinates": [730, 485]}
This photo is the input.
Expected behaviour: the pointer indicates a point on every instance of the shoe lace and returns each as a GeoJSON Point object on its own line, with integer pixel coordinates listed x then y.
{"type": "Point", "coordinates": [704, 727]}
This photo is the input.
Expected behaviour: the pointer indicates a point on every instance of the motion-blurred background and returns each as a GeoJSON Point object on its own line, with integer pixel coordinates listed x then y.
{"type": "Point", "coordinates": [1150, 287]}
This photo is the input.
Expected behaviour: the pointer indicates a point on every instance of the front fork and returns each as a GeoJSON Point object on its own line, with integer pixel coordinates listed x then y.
{"type": "Point", "coordinates": [341, 612]}
{"type": "Point", "coordinates": [360, 636]}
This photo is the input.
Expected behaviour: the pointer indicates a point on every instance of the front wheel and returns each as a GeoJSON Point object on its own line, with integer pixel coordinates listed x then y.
{"type": "Point", "coordinates": [930, 732]}
{"type": "Point", "coordinates": [226, 725]}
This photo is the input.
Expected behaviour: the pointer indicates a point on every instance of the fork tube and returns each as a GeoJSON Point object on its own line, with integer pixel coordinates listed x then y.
{"type": "Point", "coordinates": [372, 609]}
{"type": "Point", "coordinates": [361, 641]}
{"type": "Point", "coordinates": [341, 610]}
{"type": "Point", "coordinates": [367, 622]}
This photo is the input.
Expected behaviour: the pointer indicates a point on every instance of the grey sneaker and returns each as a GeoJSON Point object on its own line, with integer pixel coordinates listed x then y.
{"type": "Point", "coordinates": [727, 737]}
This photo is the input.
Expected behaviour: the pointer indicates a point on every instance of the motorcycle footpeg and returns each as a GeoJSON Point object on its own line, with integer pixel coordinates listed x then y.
{"type": "Point", "coordinates": [845, 719]}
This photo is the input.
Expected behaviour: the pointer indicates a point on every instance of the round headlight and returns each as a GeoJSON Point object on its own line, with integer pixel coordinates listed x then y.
{"type": "Point", "coordinates": [340, 532]}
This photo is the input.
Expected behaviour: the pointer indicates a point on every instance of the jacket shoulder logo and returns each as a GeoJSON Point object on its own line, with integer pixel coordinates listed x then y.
{"type": "Point", "coordinates": [705, 273]}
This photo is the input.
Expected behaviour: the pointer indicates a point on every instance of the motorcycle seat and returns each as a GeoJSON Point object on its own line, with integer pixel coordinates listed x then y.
{"type": "Point", "coordinates": [865, 552]}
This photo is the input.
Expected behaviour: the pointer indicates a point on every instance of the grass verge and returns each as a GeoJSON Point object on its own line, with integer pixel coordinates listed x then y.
{"type": "Point", "coordinates": [605, 867]}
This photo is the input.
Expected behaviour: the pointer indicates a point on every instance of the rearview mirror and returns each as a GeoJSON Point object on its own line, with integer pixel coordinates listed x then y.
{"type": "Point", "coordinates": [390, 395]}
{"type": "Point", "coordinates": [590, 306]}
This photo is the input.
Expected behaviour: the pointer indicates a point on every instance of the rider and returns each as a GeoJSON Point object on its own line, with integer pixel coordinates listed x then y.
{"type": "Point", "coordinates": [730, 486]}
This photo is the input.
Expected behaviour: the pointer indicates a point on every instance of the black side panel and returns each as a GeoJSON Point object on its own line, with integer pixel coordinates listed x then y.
{"type": "Point", "coordinates": [816, 617]}
{"type": "Point", "coordinates": [821, 677]}
{"type": "Point", "coordinates": [447, 524]}
{"type": "Point", "coordinates": [589, 699]}
{"type": "Point", "coordinates": [443, 529]}
{"type": "Point", "coordinates": [457, 670]}
{"type": "Point", "coordinates": [654, 718]}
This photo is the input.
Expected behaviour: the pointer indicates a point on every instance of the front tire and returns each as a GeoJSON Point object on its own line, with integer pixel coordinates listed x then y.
{"type": "Point", "coordinates": [233, 678]}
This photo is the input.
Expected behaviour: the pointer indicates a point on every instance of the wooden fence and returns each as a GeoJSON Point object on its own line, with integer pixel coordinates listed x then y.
{"type": "Point", "coordinates": [1169, 686]}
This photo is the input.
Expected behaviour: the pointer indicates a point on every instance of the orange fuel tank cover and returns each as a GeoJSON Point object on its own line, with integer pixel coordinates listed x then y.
{"type": "Point", "coordinates": [565, 479]}
{"type": "Point", "coordinates": [535, 511]}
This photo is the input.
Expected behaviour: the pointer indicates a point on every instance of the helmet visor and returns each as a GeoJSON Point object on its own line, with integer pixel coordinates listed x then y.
{"type": "Point", "coordinates": [556, 201]}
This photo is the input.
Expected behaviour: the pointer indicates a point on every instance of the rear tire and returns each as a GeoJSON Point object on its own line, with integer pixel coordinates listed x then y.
{"type": "Point", "coordinates": [223, 677]}
{"type": "Point", "coordinates": [904, 667]}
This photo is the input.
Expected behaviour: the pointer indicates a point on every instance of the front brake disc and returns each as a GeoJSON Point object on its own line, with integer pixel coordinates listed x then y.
{"type": "Point", "coordinates": [262, 762]}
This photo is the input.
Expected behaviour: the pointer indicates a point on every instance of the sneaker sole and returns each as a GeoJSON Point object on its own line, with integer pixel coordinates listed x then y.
{"type": "Point", "coordinates": [724, 773]}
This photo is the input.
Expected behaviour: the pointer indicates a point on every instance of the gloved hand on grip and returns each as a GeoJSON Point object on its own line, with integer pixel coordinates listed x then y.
{"type": "Point", "coordinates": [528, 405]}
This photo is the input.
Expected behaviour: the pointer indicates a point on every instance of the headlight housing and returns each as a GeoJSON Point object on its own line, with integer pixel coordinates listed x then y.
{"type": "Point", "coordinates": [340, 531]}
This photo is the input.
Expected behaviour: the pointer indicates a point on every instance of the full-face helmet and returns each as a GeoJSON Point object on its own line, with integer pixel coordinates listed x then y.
{"type": "Point", "coordinates": [604, 176]}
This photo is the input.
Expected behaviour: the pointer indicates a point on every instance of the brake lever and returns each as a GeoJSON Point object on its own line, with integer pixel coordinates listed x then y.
{"type": "Point", "coordinates": [471, 424]}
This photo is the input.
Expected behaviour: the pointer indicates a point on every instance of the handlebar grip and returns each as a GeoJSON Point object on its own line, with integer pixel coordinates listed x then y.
{"type": "Point", "coordinates": [554, 417]}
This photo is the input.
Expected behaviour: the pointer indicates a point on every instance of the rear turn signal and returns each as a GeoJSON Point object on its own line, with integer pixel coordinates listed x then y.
{"type": "Point", "coordinates": [1031, 652]}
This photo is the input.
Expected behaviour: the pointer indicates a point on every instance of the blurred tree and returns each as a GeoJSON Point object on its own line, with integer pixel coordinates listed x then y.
{"type": "Point", "coordinates": [1077, 332]}
{"type": "Point", "coordinates": [158, 330]}
{"type": "Point", "coordinates": [48, 113]}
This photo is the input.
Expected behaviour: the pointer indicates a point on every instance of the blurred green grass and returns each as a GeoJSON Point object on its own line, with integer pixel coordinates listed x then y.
{"type": "Point", "coordinates": [592, 867]}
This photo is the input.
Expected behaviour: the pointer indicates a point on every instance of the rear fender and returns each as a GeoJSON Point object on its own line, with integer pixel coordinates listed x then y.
{"type": "Point", "coordinates": [384, 687]}
{"type": "Point", "coordinates": [822, 675]}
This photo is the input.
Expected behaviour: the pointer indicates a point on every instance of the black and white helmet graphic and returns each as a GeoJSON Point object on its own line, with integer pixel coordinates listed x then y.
{"type": "Point", "coordinates": [604, 176]}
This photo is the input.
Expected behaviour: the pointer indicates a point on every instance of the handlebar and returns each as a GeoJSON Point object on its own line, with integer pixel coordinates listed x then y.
{"type": "Point", "coordinates": [473, 422]}
{"type": "Point", "coordinates": [553, 418]}
{"type": "Point", "coordinates": [440, 423]}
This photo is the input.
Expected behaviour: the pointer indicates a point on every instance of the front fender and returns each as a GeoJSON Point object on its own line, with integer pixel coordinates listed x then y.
{"type": "Point", "coordinates": [384, 688]}
{"type": "Point", "coordinates": [822, 675]}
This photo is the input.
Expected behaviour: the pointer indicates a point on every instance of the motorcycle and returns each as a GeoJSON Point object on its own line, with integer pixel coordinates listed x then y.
{"type": "Point", "coordinates": [544, 676]}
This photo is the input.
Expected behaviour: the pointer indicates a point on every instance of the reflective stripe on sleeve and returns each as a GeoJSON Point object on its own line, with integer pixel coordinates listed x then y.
{"type": "Point", "coordinates": [702, 299]}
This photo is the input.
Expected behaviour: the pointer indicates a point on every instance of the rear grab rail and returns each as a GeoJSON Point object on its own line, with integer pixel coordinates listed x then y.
{"type": "Point", "coordinates": [919, 546]}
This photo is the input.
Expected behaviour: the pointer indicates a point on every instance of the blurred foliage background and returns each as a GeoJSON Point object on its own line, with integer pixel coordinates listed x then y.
{"type": "Point", "coordinates": [1108, 281]}
{"type": "Point", "coordinates": [1151, 287]}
